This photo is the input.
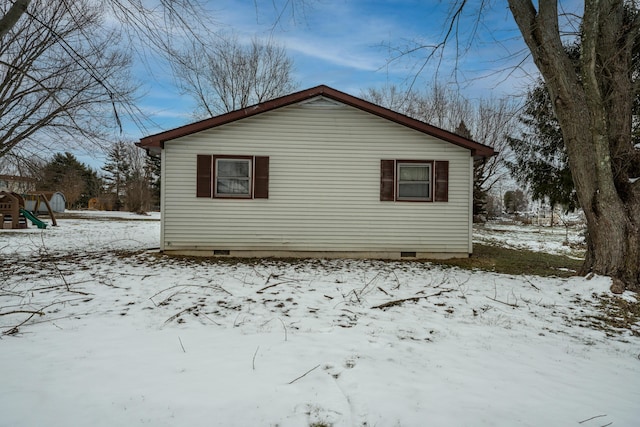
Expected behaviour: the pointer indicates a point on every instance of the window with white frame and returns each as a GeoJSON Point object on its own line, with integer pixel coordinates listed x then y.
{"type": "Point", "coordinates": [414, 181]}
{"type": "Point", "coordinates": [233, 177]}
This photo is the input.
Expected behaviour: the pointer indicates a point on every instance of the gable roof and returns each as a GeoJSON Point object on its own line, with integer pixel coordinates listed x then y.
{"type": "Point", "coordinates": [158, 140]}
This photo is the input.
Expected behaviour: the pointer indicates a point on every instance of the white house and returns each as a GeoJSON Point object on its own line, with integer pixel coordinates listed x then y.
{"type": "Point", "coordinates": [17, 184]}
{"type": "Point", "coordinates": [317, 173]}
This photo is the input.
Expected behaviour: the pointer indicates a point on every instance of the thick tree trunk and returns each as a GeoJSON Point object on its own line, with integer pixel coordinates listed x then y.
{"type": "Point", "coordinates": [594, 112]}
{"type": "Point", "coordinates": [17, 9]}
{"type": "Point", "coordinates": [613, 244]}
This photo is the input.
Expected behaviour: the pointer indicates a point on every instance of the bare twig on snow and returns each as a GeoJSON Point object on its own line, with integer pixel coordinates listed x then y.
{"type": "Point", "coordinates": [303, 375]}
{"type": "Point", "coordinates": [411, 299]}
{"type": "Point", "coordinates": [592, 418]}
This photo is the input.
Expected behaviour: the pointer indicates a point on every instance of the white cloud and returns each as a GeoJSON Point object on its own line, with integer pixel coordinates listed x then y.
{"type": "Point", "coordinates": [325, 50]}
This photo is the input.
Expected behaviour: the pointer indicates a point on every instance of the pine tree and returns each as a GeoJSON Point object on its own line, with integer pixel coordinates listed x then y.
{"type": "Point", "coordinates": [74, 179]}
{"type": "Point", "coordinates": [515, 201]}
{"type": "Point", "coordinates": [152, 171]}
{"type": "Point", "coordinates": [540, 159]}
{"type": "Point", "coordinates": [117, 170]}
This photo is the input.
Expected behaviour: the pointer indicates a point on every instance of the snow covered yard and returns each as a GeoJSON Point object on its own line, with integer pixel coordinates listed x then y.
{"type": "Point", "coordinates": [99, 330]}
{"type": "Point", "coordinates": [558, 239]}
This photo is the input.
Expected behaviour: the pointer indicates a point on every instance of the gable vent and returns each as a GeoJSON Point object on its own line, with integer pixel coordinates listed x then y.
{"type": "Point", "coordinates": [321, 102]}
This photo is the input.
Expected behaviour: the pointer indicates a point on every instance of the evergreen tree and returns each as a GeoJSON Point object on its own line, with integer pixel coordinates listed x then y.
{"type": "Point", "coordinates": [515, 201]}
{"type": "Point", "coordinates": [152, 171]}
{"type": "Point", "coordinates": [74, 179]}
{"type": "Point", "coordinates": [540, 159]}
{"type": "Point", "coordinates": [118, 171]}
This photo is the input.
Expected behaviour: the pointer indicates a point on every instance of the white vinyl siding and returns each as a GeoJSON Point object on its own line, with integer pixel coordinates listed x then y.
{"type": "Point", "coordinates": [324, 187]}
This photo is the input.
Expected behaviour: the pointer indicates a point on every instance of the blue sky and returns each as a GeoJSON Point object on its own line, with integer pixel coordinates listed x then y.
{"type": "Point", "coordinates": [348, 44]}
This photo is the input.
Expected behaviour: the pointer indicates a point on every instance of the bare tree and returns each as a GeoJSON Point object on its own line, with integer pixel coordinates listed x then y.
{"type": "Point", "coordinates": [138, 187]}
{"type": "Point", "coordinates": [64, 77]}
{"type": "Point", "coordinates": [493, 122]}
{"type": "Point", "coordinates": [439, 105]}
{"type": "Point", "coordinates": [148, 29]}
{"type": "Point", "coordinates": [229, 75]}
{"type": "Point", "coordinates": [446, 108]}
{"type": "Point", "coordinates": [151, 23]}
{"type": "Point", "coordinates": [72, 185]}
{"type": "Point", "coordinates": [409, 103]}
{"type": "Point", "coordinates": [48, 94]}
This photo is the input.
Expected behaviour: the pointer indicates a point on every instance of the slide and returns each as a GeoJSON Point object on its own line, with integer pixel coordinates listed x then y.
{"type": "Point", "coordinates": [35, 221]}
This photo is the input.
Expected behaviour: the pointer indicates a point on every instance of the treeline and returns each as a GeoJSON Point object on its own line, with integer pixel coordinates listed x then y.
{"type": "Point", "coordinates": [129, 180]}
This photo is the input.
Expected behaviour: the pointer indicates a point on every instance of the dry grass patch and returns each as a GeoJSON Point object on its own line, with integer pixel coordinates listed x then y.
{"type": "Point", "coordinates": [517, 261]}
{"type": "Point", "coordinates": [618, 315]}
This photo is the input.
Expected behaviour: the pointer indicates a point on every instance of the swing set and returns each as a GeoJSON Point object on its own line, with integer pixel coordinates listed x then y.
{"type": "Point", "coordinates": [13, 214]}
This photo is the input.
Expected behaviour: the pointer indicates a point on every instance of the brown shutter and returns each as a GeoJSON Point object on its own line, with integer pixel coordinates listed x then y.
{"type": "Point", "coordinates": [387, 180]}
{"type": "Point", "coordinates": [442, 181]}
{"type": "Point", "coordinates": [203, 176]}
{"type": "Point", "coordinates": [261, 177]}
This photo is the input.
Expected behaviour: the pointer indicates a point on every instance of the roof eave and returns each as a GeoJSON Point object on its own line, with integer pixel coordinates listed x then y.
{"type": "Point", "coordinates": [157, 141]}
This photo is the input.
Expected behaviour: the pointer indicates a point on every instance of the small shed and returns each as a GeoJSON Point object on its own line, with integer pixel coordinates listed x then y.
{"type": "Point", "coordinates": [56, 200]}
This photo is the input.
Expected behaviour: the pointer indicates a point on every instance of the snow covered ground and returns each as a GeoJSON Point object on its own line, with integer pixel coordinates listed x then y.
{"type": "Point", "coordinates": [557, 240]}
{"type": "Point", "coordinates": [98, 329]}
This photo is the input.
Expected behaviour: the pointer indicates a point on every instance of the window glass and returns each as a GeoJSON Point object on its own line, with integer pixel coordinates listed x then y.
{"type": "Point", "coordinates": [233, 168]}
{"type": "Point", "coordinates": [414, 173]}
{"type": "Point", "coordinates": [233, 177]}
{"type": "Point", "coordinates": [414, 181]}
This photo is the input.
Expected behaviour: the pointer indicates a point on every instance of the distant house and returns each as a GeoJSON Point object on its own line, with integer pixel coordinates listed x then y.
{"type": "Point", "coordinates": [16, 184]}
{"type": "Point", "coordinates": [317, 173]}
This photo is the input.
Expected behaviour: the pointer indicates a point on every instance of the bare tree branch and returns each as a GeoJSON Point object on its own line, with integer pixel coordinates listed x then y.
{"type": "Point", "coordinates": [230, 75]}
{"type": "Point", "coordinates": [55, 85]}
